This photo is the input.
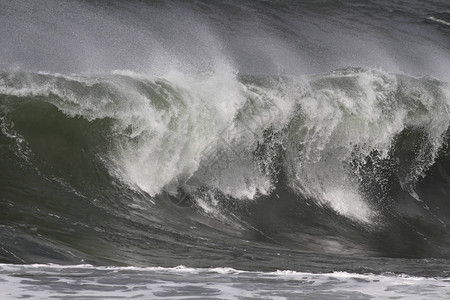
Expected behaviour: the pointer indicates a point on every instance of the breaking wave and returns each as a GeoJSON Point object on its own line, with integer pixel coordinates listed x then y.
{"type": "Point", "coordinates": [351, 160]}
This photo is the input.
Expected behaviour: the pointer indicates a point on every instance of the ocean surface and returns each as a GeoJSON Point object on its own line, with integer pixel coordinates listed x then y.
{"type": "Point", "coordinates": [224, 149]}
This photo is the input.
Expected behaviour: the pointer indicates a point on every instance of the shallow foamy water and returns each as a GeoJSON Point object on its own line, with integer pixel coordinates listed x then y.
{"type": "Point", "coordinates": [86, 281]}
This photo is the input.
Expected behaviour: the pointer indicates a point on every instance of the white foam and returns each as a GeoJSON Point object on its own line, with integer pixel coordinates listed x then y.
{"type": "Point", "coordinates": [343, 117]}
{"type": "Point", "coordinates": [42, 281]}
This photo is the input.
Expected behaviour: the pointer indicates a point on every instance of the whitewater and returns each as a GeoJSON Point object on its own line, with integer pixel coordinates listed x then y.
{"type": "Point", "coordinates": [86, 281]}
{"type": "Point", "coordinates": [224, 149]}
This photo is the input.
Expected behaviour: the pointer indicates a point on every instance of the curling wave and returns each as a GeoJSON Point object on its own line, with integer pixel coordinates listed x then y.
{"type": "Point", "coordinates": [352, 159]}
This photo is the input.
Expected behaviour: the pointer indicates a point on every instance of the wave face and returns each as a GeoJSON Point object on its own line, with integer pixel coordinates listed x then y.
{"type": "Point", "coordinates": [353, 160]}
{"type": "Point", "coordinates": [250, 135]}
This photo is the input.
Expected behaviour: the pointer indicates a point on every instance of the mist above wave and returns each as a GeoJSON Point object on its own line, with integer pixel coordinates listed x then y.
{"type": "Point", "coordinates": [268, 37]}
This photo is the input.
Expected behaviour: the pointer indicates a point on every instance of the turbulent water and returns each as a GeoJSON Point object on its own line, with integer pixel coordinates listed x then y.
{"type": "Point", "coordinates": [225, 149]}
